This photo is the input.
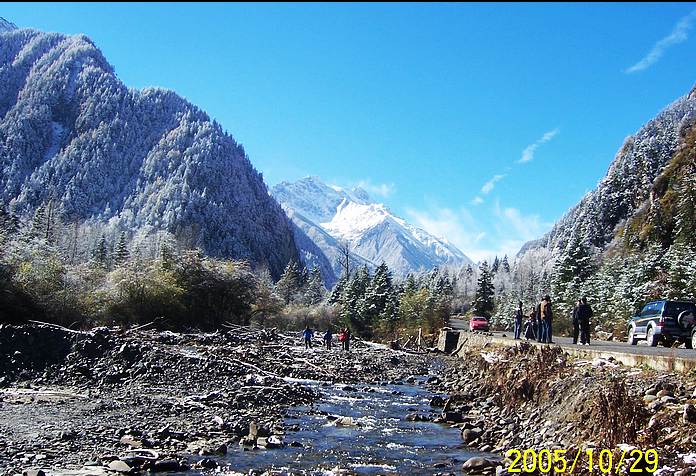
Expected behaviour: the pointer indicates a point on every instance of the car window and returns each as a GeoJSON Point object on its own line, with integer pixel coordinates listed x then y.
{"type": "Point", "coordinates": [659, 306]}
{"type": "Point", "coordinates": [673, 309]}
{"type": "Point", "coordinates": [646, 310]}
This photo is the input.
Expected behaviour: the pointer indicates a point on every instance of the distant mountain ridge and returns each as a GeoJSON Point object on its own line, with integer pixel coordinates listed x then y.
{"type": "Point", "coordinates": [71, 132]}
{"type": "Point", "coordinates": [334, 215]}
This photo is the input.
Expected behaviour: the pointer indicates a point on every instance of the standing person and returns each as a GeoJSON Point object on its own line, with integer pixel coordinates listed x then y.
{"type": "Point", "coordinates": [529, 327]}
{"type": "Point", "coordinates": [549, 320]}
{"type": "Point", "coordinates": [539, 320]}
{"type": "Point", "coordinates": [584, 315]}
{"type": "Point", "coordinates": [518, 320]}
{"type": "Point", "coordinates": [576, 322]}
{"type": "Point", "coordinates": [546, 317]}
{"type": "Point", "coordinates": [342, 338]}
{"type": "Point", "coordinates": [328, 337]}
{"type": "Point", "coordinates": [346, 339]}
{"type": "Point", "coordinates": [534, 323]}
{"type": "Point", "coordinates": [308, 334]}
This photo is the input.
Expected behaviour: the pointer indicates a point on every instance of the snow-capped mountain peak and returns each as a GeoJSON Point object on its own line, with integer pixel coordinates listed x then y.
{"type": "Point", "coordinates": [371, 230]}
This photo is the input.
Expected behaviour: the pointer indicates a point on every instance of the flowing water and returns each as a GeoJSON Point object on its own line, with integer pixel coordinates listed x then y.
{"type": "Point", "coordinates": [383, 442]}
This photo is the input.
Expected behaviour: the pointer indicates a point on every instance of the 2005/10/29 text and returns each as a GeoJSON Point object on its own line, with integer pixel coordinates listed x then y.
{"type": "Point", "coordinates": [564, 461]}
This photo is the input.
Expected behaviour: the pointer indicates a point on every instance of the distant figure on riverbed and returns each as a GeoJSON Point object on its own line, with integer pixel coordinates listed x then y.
{"type": "Point", "coordinates": [328, 337]}
{"type": "Point", "coordinates": [344, 337]}
{"type": "Point", "coordinates": [307, 335]}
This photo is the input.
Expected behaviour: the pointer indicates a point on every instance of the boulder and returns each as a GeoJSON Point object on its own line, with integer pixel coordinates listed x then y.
{"type": "Point", "coordinates": [469, 435]}
{"type": "Point", "coordinates": [689, 414]}
{"type": "Point", "coordinates": [119, 466]}
{"type": "Point", "coordinates": [437, 401]}
{"type": "Point", "coordinates": [346, 421]}
{"type": "Point", "coordinates": [476, 464]}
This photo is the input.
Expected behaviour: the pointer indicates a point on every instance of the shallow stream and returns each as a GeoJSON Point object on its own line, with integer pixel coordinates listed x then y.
{"type": "Point", "coordinates": [383, 441]}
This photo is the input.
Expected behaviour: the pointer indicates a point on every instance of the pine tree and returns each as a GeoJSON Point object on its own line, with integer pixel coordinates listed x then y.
{"type": "Point", "coordinates": [339, 289]}
{"type": "Point", "coordinates": [378, 293]}
{"type": "Point", "coordinates": [290, 283]}
{"type": "Point", "coordinates": [38, 223]}
{"type": "Point", "coordinates": [484, 301]}
{"type": "Point", "coordinates": [496, 265]}
{"type": "Point", "coordinates": [315, 290]}
{"type": "Point", "coordinates": [101, 252]}
{"type": "Point", "coordinates": [121, 254]}
{"type": "Point", "coordinates": [506, 264]}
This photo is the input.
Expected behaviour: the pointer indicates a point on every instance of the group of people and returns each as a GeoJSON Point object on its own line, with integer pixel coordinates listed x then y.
{"type": "Point", "coordinates": [539, 323]}
{"type": "Point", "coordinates": [344, 338]}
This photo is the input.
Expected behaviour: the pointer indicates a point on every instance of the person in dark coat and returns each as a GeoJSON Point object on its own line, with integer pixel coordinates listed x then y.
{"type": "Point", "coordinates": [584, 315]}
{"type": "Point", "coordinates": [539, 321]}
{"type": "Point", "coordinates": [328, 338]}
{"type": "Point", "coordinates": [529, 332]}
{"type": "Point", "coordinates": [518, 320]}
{"type": "Point", "coordinates": [307, 335]}
{"type": "Point", "coordinates": [576, 322]}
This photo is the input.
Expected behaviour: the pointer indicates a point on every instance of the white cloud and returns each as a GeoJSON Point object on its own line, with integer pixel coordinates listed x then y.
{"type": "Point", "coordinates": [490, 185]}
{"type": "Point", "coordinates": [679, 34]}
{"type": "Point", "coordinates": [501, 231]}
{"type": "Point", "coordinates": [380, 189]}
{"type": "Point", "coordinates": [529, 151]}
{"type": "Point", "coordinates": [477, 200]}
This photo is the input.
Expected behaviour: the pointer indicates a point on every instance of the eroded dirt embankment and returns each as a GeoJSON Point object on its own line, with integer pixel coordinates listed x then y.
{"type": "Point", "coordinates": [539, 397]}
{"type": "Point", "coordinates": [146, 400]}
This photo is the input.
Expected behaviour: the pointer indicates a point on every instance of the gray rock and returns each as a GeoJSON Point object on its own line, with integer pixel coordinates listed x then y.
{"type": "Point", "coordinates": [477, 464]}
{"type": "Point", "coordinates": [689, 414]}
{"type": "Point", "coordinates": [469, 435]}
{"type": "Point", "coordinates": [119, 466]}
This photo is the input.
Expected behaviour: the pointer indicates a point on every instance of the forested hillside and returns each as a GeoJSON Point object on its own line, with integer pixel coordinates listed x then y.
{"type": "Point", "coordinates": [629, 240]}
{"type": "Point", "coordinates": [77, 141]}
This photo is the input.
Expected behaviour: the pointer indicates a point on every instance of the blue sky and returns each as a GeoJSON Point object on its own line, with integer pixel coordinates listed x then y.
{"type": "Point", "coordinates": [481, 123]}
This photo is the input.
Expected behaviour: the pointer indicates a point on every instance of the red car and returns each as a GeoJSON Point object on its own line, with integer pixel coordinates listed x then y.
{"type": "Point", "coordinates": [477, 323]}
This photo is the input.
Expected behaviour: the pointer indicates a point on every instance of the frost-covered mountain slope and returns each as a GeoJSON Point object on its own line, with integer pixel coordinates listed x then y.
{"type": "Point", "coordinates": [71, 132]}
{"type": "Point", "coordinates": [331, 215]}
{"type": "Point", "coordinates": [6, 25]}
{"type": "Point", "coordinates": [627, 184]}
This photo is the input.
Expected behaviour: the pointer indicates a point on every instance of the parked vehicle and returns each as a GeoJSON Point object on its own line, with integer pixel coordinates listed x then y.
{"type": "Point", "coordinates": [664, 322]}
{"type": "Point", "coordinates": [478, 323]}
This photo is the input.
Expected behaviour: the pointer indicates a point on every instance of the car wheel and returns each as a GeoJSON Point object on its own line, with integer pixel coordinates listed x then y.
{"type": "Point", "coordinates": [693, 340]}
{"type": "Point", "coordinates": [632, 336]}
{"type": "Point", "coordinates": [652, 339]}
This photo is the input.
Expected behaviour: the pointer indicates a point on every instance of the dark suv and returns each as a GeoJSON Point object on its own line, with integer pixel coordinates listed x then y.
{"type": "Point", "coordinates": [666, 322]}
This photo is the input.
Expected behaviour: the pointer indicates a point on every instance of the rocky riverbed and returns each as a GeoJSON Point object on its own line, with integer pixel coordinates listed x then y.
{"type": "Point", "coordinates": [249, 401]}
{"type": "Point", "coordinates": [110, 400]}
